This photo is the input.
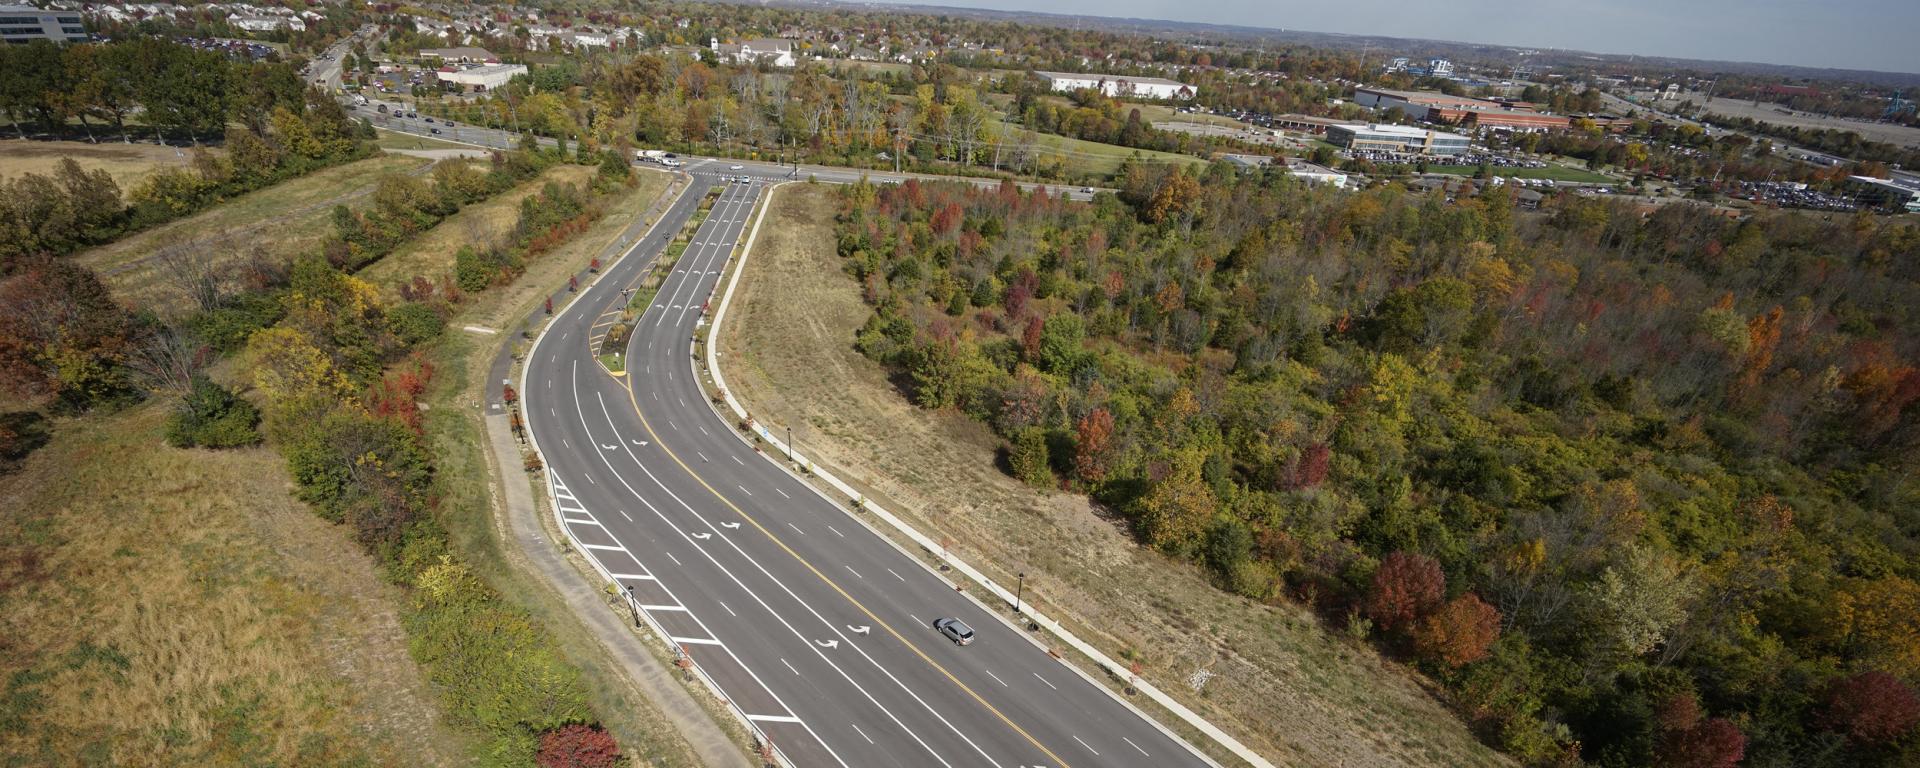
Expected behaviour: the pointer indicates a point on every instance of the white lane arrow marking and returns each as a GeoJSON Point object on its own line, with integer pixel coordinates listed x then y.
{"type": "Point", "coordinates": [610, 447]}
{"type": "Point", "coordinates": [701, 536]}
{"type": "Point", "coordinates": [730, 525]}
{"type": "Point", "coordinates": [860, 630]}
{"type": "Point", "coordinates": [827, 643]}
{"type": "Point", "coordinates": [639, 442]}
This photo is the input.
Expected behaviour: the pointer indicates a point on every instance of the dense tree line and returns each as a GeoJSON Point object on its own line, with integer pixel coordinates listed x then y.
{"type": "Point", "coordinates": [273, 128]}
{"type": "Point", "coordinates": [1637, 488]}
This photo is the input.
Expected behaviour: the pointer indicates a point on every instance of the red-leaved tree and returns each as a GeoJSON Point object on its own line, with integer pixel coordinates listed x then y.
{"type": "Point", "coordinates": [1311, 469]}
{"type": "Point", "coordinates": [577, 746]}
{"type": "Point", "coordinates": [1092, 445]}
{"type": "Point", "coordinates": [1870, 708]}
{"type": "Point", "coordinates": [1712, 743]}
{"type": "Point", "coordinates": [1459, 633]}
{"type": "Point", "coordinates": [1406, 588]}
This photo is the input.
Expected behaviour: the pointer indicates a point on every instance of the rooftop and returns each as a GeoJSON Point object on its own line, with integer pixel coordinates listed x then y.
{"type": "Point", "coordinates": [1137, 80]}
{"type": "Point", "coordinates": [1409, 131]}
{"type": "Point", "coordinates": [1431, 98]}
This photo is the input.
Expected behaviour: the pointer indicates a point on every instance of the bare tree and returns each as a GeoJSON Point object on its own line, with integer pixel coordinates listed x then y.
{"type": "Point", "coordinates": [166, 359]}
{"type": "Point", "coordinates": [192, 268]}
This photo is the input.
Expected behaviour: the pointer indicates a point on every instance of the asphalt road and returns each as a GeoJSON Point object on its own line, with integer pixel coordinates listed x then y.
{"type": "Point", "coordinates": [813, 625]}
{"type": "Point", "coordinates": [447, 130]}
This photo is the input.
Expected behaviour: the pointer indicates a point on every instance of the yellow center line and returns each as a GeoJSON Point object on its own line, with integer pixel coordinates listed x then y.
{"type": "Point", "coordinates": [875, 618]}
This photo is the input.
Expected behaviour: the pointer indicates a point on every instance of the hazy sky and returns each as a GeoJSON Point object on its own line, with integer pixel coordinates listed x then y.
{"type": "Point", "coordinates": [1850, 34]}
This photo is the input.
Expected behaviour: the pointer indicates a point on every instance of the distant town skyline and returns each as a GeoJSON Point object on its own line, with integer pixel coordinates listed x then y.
{"type": "Point", "coordinates": [1845, 34]}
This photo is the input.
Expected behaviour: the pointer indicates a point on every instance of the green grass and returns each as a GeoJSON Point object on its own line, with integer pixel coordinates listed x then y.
{"type": "Point", "coordinates": [1555, 172]}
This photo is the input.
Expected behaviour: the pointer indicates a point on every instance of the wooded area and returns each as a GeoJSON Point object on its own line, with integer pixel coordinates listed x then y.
{"type": "Point", "coordinates": [1635, 487]}
{"type": "Point", "coordinates": [280, 129]}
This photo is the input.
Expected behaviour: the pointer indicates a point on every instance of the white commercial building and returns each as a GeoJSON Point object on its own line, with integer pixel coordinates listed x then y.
{"type": "Point", "coordinates": [1315, 174]}
{"type": "Point", "coordinates": [771, 50]}
{"type": "Point", "coordinates": [484, 78]}
{"type": "Point", "coordinates": [21, 23]}
{"type": "Point", "coordinates": [267, 23]}
{"type": "Point", "coordinates": [1119, 85]}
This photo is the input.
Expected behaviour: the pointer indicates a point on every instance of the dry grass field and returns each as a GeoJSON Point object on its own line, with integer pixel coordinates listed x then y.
{"type": "Point", "coordinates": [127, 163]}
{"type": "Point", "coordinates": [1293, 691]}
{"type": "Point", "coordinates": [282, 221]}
{"type": "Point", "coordinates": [431, 253]}
{"type": "Point", "coordinates": [172, 607]}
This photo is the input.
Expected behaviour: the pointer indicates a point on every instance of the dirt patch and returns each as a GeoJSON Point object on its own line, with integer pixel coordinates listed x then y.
{"type": "Point", "coordinates": [180, 607]}
{"type": "Point", "coordinates": [1278, 681]}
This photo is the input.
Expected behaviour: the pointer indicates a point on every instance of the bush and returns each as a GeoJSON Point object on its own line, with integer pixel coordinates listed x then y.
{"type": "Point", "coordinates": [415, 322]}
{"type": "Point", "coordinates": [1028, 458]}
{"type": "Point", "coordinates": [577, 746]}
{"type": "Point", "coordinates": [211, 416]}
{"type": "Point", "coordinates": [476, 270]}
{"type": "Point", "coordinates": [226, 328]}
{"type": "Point", "coordinates": [498, 668]}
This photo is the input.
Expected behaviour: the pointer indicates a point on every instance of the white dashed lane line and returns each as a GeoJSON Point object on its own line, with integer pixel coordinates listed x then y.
{"type": "Point", "coordinates": [996, 678]}
{"type": "Point", "coordinates": [1037, 676]}
{"type": "Point", "coordinates": [1135, 746]}
{"type": "Point", "coordinates": [1096, 753]}
{"type": "Point", "coordinates": [783, 494]}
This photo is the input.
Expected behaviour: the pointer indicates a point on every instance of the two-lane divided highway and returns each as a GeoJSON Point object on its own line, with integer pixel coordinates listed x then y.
{"type": "Point", "coordinates": [813, 626]}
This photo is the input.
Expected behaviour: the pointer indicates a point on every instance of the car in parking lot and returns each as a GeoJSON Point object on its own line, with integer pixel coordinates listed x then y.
{"type": "Point", "coordinates": [955, 630]}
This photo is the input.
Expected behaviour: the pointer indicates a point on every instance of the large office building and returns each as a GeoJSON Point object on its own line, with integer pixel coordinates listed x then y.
{"type": "Point", "coordinates": [1892, 195]}
{"type": "Point", "coordinates": [1119, 85]}
{"type": "Point", "coordinates": [1459, 110]}
{"type": "Point", "coordinates": [1404, 139]}
{"type": "Point", "coordinates": [1415, 103]}
{"type": "Point", "coordinates": [20, 24]}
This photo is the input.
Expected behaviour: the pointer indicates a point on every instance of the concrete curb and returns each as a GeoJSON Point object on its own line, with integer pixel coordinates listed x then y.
{"type": "Point", "coordinates": [711, 744]}
{"type": "Point", "coordinates": [724, 752]}
{"type": "Point", "coordinates": [1180, 710]}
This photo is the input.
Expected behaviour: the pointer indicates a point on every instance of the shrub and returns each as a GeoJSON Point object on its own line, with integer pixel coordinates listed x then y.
{"type": "Point", "coordinates": [499, 669]}
{"type": "Point", "coordinates": [415, 322]}
{"type": "Point", "coordinates": [577, 746]}
{"type": "Point", "coordinates": [210, 416]}
{"type": "Point", "coordinates": [1029, 458]}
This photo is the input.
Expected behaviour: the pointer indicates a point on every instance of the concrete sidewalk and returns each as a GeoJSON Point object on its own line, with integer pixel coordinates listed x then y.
{"type": "Point", "coordinates": [713, 746]}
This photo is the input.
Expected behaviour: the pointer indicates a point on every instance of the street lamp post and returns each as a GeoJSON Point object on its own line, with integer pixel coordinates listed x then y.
{"type": "Point", "coordinates": [1020, 591]}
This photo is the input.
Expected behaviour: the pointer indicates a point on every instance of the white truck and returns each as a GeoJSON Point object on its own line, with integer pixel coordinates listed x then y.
{"type": "Point", "coordinates": [649, 155]}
